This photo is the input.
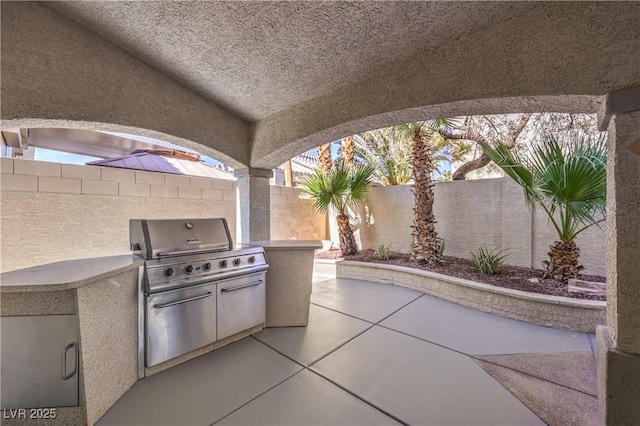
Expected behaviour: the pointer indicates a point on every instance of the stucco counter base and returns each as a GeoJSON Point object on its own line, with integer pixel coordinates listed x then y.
{"type": "Point", "coordinates": [102, 294]}
{"type": "Point", "coordinates": [289, 279]}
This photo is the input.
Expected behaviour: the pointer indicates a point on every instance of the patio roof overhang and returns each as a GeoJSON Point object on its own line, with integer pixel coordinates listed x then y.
{"type": "Point", "coordinates": [254, 84]}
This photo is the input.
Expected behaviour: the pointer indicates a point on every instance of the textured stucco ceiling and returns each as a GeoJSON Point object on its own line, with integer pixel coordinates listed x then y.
{"type": "Point", "coordinates": [258, 58]}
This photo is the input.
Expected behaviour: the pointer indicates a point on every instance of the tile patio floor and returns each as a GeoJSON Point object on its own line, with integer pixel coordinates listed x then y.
{"type": "Point", "coordinates": [378, 354]}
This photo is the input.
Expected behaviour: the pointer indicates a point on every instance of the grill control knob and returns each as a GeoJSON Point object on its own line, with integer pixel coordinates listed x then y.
{"type": "Point", "coordinates": [237, 261]}
{"type": "Point", "coordinates": [223, 264]}
{"type": "Point", "coordinates": [188, 269]}
{"type": "Point", "coordinates": [251, 259]}
{"type": "Point", "coordinates": [168, 272]}
{"type": "Point", "coordinates": [206, 266]}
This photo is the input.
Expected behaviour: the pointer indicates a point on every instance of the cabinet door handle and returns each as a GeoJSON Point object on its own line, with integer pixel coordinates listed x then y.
{"type": "Point", "coordinates": [177, 302]}
{"type": "Point", "coordinates": [225, 290]}
{"type": "Point", "coordinates": [64, 361]}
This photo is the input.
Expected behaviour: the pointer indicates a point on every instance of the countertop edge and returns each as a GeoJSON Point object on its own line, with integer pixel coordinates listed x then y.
{"type": "Point", "coordinates": [67, 284]}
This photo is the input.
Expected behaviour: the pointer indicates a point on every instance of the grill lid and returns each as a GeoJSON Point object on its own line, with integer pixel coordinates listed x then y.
{"type": "Point", "coordinates": [158, 238]}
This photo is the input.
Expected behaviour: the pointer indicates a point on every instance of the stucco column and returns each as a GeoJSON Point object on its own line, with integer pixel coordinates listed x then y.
{"type": "Point", "coordinates": [253, 204]}
{"type": "Point", "coordinates": [618, 344]}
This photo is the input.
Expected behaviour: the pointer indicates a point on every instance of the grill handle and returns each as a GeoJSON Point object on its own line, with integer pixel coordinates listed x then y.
{"type": "Point", "coordinates": [226, 290]}
{"type": "Point", "coordinates": [207, 249]}
{"type": "Point", "coordinates": [177, 302]}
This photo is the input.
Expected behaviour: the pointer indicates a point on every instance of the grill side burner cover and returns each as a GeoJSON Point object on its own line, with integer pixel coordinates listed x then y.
{"type": "Point", "coordinates": [157, 238]}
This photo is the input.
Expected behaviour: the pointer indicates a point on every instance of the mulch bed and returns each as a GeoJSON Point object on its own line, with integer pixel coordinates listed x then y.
{"type": "Point", "coordinates": [513, 277]}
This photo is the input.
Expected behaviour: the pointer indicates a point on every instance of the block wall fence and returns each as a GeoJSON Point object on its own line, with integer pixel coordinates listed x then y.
{"type": "Point", "coordinates": [52, 212]}
{"type": "Point", "coordinates": [470, 214]}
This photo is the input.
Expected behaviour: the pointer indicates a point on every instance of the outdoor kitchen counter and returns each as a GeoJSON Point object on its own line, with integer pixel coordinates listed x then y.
{"type": "Point", "coordinates": [289, 279]}
{"type": "Point", "coordinates": [100, 297]}
{"type": "Point", "coordinates": [65, 275]}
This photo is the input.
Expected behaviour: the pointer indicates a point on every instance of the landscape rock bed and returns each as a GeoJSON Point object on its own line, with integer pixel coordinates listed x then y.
{"type": "Point", "coordinates": [512, 277]}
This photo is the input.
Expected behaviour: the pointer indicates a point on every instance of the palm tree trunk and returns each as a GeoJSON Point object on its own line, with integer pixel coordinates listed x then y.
{"type": "Point", "coordinates": [563, 261]}
{"type": "Point", "coordinates": [348, 150]}
{"type": "Point", "coordinates": [347, 240]}
{"type": "Point", "coordinates": [424, 245]}
{"type": "Point", "coordinates": [288, 174]}
{"type": "Point", "coordinates": [324, 157]}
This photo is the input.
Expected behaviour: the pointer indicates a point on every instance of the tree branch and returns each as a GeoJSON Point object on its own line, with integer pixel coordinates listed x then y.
{"type": "Point", "coordinates": [472, 135]}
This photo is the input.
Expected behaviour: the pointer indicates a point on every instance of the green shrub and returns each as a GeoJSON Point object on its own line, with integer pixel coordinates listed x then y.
{"type": "Point", "coordinates": [440, 247]}
{"type": "Point", "coordinates": [383, 250]}
{"type": "Point", "coordinates": [487, 260]}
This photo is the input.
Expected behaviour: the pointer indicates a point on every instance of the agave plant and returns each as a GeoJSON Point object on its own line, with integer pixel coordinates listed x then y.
{"type": "Point", "coordinates": [568, 181]}
{"type": "Point", "coordinates": [341, 187]}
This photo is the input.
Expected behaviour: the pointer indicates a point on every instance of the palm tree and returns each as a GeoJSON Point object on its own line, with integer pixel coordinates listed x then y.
{"type": "Point", "coordinates": [342, 187]}
{"type": "Point", "coordinates": [568, 181]}
{"type": "Point", "coordinates": [324, 157]}
{"type": "Point", "coordinates": [424, 242]}
{"type": "Point", "coordinates": [388, 152]}
{"type": "Point", "coordinates": [425, 141]}
{"type": "Point", "coordinates": [347, 150]}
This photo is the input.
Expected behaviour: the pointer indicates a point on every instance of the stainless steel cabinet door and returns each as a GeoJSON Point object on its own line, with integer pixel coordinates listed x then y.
{"type": "Point", "coordinates": [39, 361]}
{"type": "Point", "coordinates": [180, 321]}
{"type": "Point", "coordinates": [241, 304]}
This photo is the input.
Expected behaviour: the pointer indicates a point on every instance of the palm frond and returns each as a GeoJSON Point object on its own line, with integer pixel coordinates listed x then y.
{"type": "Point", "coordinates": [568, 182]}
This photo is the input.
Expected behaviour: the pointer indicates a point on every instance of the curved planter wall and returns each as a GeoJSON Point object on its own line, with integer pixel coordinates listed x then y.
{"type": "Point", "coordinates": [552, 311]}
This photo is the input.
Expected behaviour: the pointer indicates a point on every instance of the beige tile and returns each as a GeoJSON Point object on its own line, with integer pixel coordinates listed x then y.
{"type": "Point", "coordinates": [59, 185]}
{"type": "Point", "coordinates": [6, 165]}
{"type": "Point", "coordinates": [226, 185]}
{"type": "Point", "coordinates": [177, 180]}
{"type": "Point", "coordinates": [293, 198]}
{"type": "Point", "coordinates": [229, 195]}
{"type": "Point", "coordinates": [36, 168]}
{"type": "Point", "coordinates": [150, 178]}
{"type": "Point", "coordinates": [118, 175]}
{"type": "Point", "coordinates": [19, 183]}
{"type": "Point", "coordinates": [211, 194]}
{"type": "Point", "coordinates": [163, 191]}
{"type": "Point", "coordinates": [201, 182]}
{"type": "Point", "coordinates": [134, 189]}
{"type": "Point", "coordinates": [99, 187]}
{"type": "Point", "coordinates": [76, 171]}
{"type": "Point", "coordinates": [275, 189]}
{"type": "Point", "coordinates": [191, 193]}
{"type": "Point", "coordinates": [286, 190]}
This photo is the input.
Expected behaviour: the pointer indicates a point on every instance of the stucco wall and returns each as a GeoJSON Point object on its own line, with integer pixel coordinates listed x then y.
{"type": "Point", "coordinates": [55, 69]}
{"type": "Point", "coordinates": [470, 214]}
{"type": "Point", "coordinates": [524, 64]}
{"type": "Point", "coordinates": [52, 212]}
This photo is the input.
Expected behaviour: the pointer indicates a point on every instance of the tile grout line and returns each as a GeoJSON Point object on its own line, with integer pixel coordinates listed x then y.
{"type": "Point", "coordinates": [349, 315]}
{"type": "Point", "coordinates": [359, 398]}
{"type": "Point", "coordinates": [425, 340]}
{"type": "Point", "coordinates": [307, 368]}
{"type": "Point", "coordinates": [400, 308]}
{"type": "Point", "coordinates": [257, 396]}
{"type": "Point", "coordinates": [342, 345]}
{"type": "Point", "coordinates": [529, 375]}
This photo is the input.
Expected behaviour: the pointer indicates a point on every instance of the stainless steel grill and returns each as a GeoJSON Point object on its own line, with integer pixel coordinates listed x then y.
{"type": "Point", "coordinates": [197, 287]}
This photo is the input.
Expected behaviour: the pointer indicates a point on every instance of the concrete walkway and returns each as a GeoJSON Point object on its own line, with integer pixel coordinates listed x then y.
{"type": "Point", "coordinates": [378, 354]}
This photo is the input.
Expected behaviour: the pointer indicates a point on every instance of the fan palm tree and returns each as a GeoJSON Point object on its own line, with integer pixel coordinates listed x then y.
{"type": "Point", "coordinates": [342, 187]}
{"type": "Point", "coordinates": [569, 183]}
